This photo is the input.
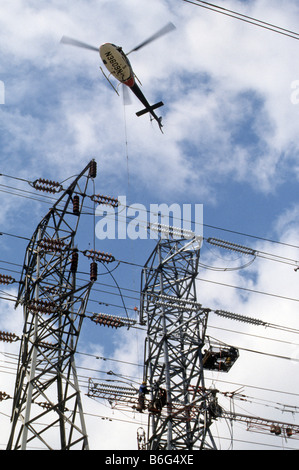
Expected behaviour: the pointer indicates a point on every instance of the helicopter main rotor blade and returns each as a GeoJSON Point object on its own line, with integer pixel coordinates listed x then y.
{"type": "Point", "coordinates": [74, 42]}
{"type": "Point", "coordinates": [166, 29]}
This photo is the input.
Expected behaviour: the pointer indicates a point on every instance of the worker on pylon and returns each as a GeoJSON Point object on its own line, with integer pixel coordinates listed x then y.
{"type": "Point", "coordinates": [141, 397]}
{"type": "Point", "coordinates": [157, 404]}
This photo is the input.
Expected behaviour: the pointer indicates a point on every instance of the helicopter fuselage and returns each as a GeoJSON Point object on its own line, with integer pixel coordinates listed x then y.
{"type": "Point", "coordinates": [117, 63]}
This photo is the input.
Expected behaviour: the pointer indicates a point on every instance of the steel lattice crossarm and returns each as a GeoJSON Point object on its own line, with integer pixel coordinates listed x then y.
{"type": "Point", "coordinates": [176, 326]}
{"type": "Point", "coordinates": [54, 308]}
{"type": "Point", "coordinates": [127, 399]}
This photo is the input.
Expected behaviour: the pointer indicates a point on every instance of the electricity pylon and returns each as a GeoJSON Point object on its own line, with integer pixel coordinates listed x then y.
{"type": "Point", "coordinates": [47, 409]}
{"type": "Point", "coordinates": [176, 326]}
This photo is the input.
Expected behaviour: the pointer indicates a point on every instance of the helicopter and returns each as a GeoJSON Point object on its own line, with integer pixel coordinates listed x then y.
{"type": "Point", "coordinates": [119, 66]}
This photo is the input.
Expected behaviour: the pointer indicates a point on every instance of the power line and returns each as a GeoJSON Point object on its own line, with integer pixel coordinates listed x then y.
{"type": "Point", "coordinates": [246, 289]}
{"type": "Point", "coordinates": [245, 18]}
{"type": "Point", "coordinates": [201, 279]}
{"type": "Point", "coordinates": [111, 373]}
{"type": "Point", "coordinates": [191, 221]}
{"type": "Point", "coordinates": [205, 280]}
{"type": "Point", "coordinates": [218, 312]}
{"type": "Point", "coordinates": [121, 288]}
{"type": "Point", "coordinates": [242, 333]}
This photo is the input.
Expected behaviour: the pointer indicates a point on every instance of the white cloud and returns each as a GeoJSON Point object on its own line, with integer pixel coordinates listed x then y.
{"type": "Point", "coordinates": [228, 52]}
{"type": "Point", "coordinates": [225, 50]}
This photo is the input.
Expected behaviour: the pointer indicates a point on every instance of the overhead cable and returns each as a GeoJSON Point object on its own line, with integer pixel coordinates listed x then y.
{"type": "Point", "coordinates": [52, 199]}
{"type": "Point", "coordinates": [245, 18]}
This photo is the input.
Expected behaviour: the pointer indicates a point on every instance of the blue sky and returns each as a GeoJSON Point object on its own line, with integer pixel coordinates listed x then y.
{"type": "Point", "coordinates": [230, 143]}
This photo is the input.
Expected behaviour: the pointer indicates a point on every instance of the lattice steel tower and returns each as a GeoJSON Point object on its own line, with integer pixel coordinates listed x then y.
{"type": "Point", "coordinates": [176, 326]}
{"type": "Point", "coordinates": [47, 411]}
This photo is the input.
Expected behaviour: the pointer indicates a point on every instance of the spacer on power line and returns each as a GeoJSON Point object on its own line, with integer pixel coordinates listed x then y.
{"type": "Point", "coordinates": [47, 186]}
{"type": "Point", "coordinates": [105, 200]}
{"type": "Point", "coordinates": [4, 279]}
{"type": "Point", "coordinates": [99, 256]}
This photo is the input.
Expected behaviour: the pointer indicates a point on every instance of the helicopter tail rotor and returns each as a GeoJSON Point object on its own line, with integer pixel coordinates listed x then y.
{"type": "Point", "coordinates": [151, 108]}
